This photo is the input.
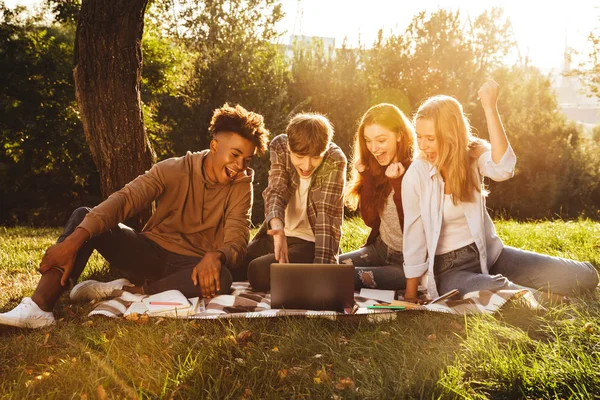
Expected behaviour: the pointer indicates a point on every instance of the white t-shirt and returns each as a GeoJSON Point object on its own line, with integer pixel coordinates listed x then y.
{"type": "Point", "coordinates": [455, 232]}
{"type": "Point", "coordinates": [296, 217]}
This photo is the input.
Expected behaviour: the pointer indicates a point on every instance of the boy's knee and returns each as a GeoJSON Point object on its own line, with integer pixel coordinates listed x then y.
{"type": "Point", "coordinates": [259, 276]}
{"type": "Point", "coordinates": [226, 280]}
{"type": "Point", "coordinates": [80, 213]}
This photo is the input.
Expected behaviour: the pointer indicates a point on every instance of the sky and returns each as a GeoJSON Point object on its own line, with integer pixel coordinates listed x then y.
{"type": "Point", "coordinates": [541, 27]}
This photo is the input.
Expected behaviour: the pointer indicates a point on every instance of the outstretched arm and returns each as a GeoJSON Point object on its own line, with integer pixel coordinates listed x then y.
{"type": "Point", "coordinates": [488, 94]}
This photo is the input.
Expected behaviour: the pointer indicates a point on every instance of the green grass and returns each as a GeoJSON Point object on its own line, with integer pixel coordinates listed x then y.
{"type": "Point", "coordinates": [516, 353]}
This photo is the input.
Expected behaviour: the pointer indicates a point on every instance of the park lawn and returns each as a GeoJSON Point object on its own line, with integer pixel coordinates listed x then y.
{"type": "Point", "coordinates": [516, 353]}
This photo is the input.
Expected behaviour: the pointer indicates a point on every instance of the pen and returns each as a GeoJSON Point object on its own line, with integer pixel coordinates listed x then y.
{"type": "Point", "coordinates": [165, 303]}
{"type": "Point", "coordinates": [375, 307]}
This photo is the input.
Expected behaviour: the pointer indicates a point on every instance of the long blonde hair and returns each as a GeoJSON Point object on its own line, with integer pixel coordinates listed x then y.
{"type": "Point", "coordinates": [458, 148]}
{"type": "Point", "coordinates": [390, 117]}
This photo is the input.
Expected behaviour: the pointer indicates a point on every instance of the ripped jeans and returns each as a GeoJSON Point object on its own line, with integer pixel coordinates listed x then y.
{"type": "Point", "coordinates": [376, 266]}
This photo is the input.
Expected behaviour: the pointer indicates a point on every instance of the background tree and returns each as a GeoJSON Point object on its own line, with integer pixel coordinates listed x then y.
{"type": "Point", "coordinates": [107, 74]}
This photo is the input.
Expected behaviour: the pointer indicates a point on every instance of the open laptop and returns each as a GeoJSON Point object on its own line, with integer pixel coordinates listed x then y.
{"type": "Point", "coordinates": [312, 286]}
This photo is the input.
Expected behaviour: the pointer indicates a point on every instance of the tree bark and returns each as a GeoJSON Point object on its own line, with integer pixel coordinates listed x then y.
{"type": "Point", "coordinates": [108, 64]}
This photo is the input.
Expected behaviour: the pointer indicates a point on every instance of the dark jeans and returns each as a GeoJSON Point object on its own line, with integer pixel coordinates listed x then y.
{"type": "Point", "coordinates": [261, 255]}
{"type": "Point", "coordinates": [377, 266]}
{"type": "Point", "coordinates": [139, 259]}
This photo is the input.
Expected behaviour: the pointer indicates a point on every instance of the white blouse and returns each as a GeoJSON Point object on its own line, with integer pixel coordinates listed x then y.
{"type": "Point", "coordinates": [423, 203]}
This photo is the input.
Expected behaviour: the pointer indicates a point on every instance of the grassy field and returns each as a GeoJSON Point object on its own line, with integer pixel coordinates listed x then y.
{"type": "Point", "coordinates": [516, 353]}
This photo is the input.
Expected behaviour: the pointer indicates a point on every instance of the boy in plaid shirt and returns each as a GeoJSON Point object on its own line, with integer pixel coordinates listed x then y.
{"type": "Point", "coordinates": [304, 205]}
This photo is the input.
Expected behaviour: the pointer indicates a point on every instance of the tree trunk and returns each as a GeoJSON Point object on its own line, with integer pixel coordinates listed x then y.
{"type": "Point", "coordinates": [108, 64]}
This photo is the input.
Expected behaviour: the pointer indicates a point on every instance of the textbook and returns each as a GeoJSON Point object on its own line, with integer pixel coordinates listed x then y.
{"type": "Point", "coordinates": [171, 303]}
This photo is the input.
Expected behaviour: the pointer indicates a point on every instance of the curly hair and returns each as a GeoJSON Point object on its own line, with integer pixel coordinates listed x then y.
{"type": "Point", "coordinates": [245, 123]}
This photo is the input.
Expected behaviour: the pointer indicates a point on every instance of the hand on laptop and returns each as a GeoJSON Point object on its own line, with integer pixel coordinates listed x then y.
{"type": "Point", "coordinates": [207, 274]}
{"type": "Point", "coordinates": [280, 245]}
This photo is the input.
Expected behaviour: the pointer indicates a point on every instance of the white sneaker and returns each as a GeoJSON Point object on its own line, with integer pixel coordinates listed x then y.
{"type": "Point", "coordinates": [27, 315]}
{"type": "Point", "coordinates": [96, 290]}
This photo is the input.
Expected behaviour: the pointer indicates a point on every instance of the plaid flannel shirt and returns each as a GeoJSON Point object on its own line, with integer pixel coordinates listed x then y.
{"type": "Point", "coordinates": [325, 198]}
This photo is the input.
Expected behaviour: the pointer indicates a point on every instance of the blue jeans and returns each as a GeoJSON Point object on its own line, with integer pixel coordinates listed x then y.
{"type": "Point", "coordinates": [376, 266]}
{"type": "Point", "coordinates": [514, 269]}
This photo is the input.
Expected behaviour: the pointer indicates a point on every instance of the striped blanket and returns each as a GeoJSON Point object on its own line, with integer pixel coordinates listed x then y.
{"type": "Point", "coordinates": [245, 303]}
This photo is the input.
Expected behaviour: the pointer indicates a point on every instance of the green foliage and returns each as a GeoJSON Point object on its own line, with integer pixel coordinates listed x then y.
{"type": "Point", "coordinates": [558, 172]}
{"type": "Point", "coordinates": [45, 164]}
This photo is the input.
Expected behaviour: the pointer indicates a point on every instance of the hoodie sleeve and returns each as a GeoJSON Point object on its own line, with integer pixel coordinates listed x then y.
{"type": "Point", "coordinates": [127, 202]}
{"type": "Point", "coordinates": [237, 225]}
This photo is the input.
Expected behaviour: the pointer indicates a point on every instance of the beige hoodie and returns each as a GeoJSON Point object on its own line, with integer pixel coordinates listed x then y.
{"type": "Point", "coordinates": [193, 215]}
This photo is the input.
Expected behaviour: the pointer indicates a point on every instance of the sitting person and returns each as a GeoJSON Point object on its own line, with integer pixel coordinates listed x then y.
{"type": "Point", "coordinates": [449, 235]}
{"type": "Point", "coordinates": [199, 231]}
{"type": "Point", "coordinates": [303, 200]}
{"type": "Point", "coordinates": [384, 147]}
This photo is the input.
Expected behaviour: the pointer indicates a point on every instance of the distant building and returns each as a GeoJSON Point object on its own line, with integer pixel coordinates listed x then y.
{"type": "Point", "coordinates": [572, 100]}
{"type": "Point", "coordinates": [305, 42]}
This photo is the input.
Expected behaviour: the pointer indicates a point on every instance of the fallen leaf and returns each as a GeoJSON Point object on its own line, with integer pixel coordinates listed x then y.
{"type": "Point", "coordinates": [275, 349]}
{"type": "Point", "coordinates": [456, 326]}
{"type": "Point", "coordinates": [144, 319]}
{"type": "Point", "coordinates": [283, 373]}
{"type": "Point", "coordinates": [244, 336]}
{"type": "Point", "coordinates": [432, 337]}
{"type": "Point", "coordinates": [589, 327]}
{"type": "Point", "coordinates": [345, 383]}
{"type": "Point", "coordinates": [240, 361]}
{"type": "Point", "coordinates": [247, 393]}
{"type": "Point", "coordinates": [231, 338]}
{"type": "Point", "coordinates": [317, 380]}
{"type": "Point", "coordinates": [46, 339]}
{"type": "Point", "coordinates": [28, 371]}
{"type": "Point", "coordinates": [101, 392]}
{"type": "Point", "coordinates": [133, 317]}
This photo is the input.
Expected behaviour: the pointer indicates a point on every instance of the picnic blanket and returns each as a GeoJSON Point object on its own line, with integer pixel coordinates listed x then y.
{"type": "Point", "coordinates": [246, 303]}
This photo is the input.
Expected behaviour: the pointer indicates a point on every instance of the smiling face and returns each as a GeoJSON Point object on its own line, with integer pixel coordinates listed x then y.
{"type": "Point", "coordinates": [229, 157]}
{"type": "Point", "coordinates": [305, 165]}
{"type": "Point", "coordinates": [382, 143]}
{"type": "Point", "coordinates": [426, 138]}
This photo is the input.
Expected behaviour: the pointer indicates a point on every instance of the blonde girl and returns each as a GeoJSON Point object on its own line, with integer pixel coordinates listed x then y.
{"type": "Point", "coordinates": [449, 237]}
